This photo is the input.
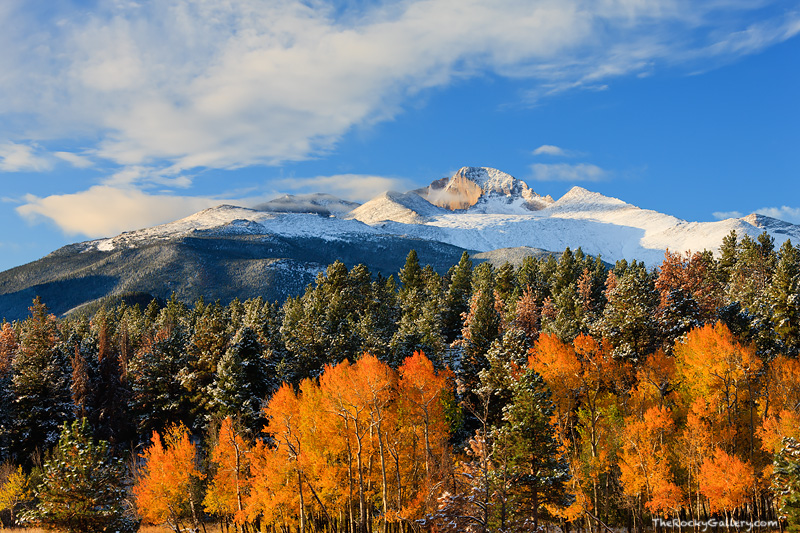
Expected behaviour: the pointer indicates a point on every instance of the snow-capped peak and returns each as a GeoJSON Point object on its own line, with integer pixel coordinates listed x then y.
{"type": "Point", "coordinates": [475, 185]}
{"type": "Point", "coordinates": [578, 197]}
{"type": "Point", "coordinates": [406, 208]}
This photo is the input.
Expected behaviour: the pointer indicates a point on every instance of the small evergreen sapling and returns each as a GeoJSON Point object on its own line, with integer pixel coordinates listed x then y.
{"type": "Point", "coordinates": [83, 486]}
{"type": "Point", "coordinates": [786, 482]}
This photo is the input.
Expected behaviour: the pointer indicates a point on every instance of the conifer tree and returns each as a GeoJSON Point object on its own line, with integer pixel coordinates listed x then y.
{"type": "Point", "coordinates": [321, 327]}
{"type": "Point", "coordinates": [242, 381]}
{"type": "Point", "coordinates": [83, 486]}
{"type": "Point", "coordinates": [82, 386]}
{"type": "Point", "coordinates": [411, 274]}
{"type": "Point", "coordinates": [378, 323]}
{"type": "Point", "coordinates": [629, 317]}
{"type": "Point", "coordinates": [481, 326]}
{"type": "Point", "coordinates": [456, 301]}
{"type": "Point", "coordinates": [727, 256]}
{"type": "Point", "coordinates": [40, 383]}
{"type": "Point", "coordinates": [750, 275]}
{"type": "Point", "coordinates": [207, 345]}
{"type": "Point", "coordinates": [538, 470]}
{"type": "Point", "coordinates": [8, 349]}
{"type": "Point", "coordinates": [783, 299]}
{"type": "Point", "coordinates": [786, 482]}
{"type": "Point", "coordinates": [111, 392]}
{"type": "Point", "coordinates": [158, 398]}
{"type": "Point", "coordinates": [420, 324]}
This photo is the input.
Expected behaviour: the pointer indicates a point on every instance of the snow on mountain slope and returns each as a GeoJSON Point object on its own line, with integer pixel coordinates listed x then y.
{"type": "Point", "coordinates": [599, 224]}
{"type": "Point", "coordinates": [406, 208]}
{"type": "Point", "coordinates": [501, 217]}
{"type": "Point", "coordinates": [231, 220]}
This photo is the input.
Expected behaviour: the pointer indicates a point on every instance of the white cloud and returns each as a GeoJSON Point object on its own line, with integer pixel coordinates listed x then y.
{"type": "Point", "coordinates": [355, 187]}
{"type": "Point", "coordinates": [193, 84]}
{"type": "Point", "coordinates": [15, 157]}
{"type": "Point", "coordinates": [723, 215]}
{"type": "Point", "coordinates": [786, 213]}
{"type": "Point", "coordinates": [104, 211]}
{"type": "Point", "coordinates": [568, 172]}
{"type": "Point", "coordinates": [549, 149]}
{"type": "Point", "coordinates": [77, 161]}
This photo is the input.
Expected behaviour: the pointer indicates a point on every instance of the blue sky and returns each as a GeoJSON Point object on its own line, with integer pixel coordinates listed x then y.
{"type": "Point", "coordinates": [122, 114]}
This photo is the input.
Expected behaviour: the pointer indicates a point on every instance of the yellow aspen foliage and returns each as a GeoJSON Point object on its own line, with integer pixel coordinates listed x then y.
{"type": "Point", "coordinates": [14, 491]}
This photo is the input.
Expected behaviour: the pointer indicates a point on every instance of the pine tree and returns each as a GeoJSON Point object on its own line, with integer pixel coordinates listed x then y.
{"type": "Point", "coordinates": [456, 302]}
{"type": "Point", "coordinates": [783, 299]}
{"type": "Point", "coordinates": [158, 398]}
{"type": "Point", "coordinates": [378, 323]}
{"type": "Point", "coordinates": [321, 327]}
{"type": "Point", "coordinates": [786, 482]}
{"type": "Point", "coordinates": [727, 256]}
{"type": "Point", "coordinates": [8, 349]}
{"type": "Point", "coordinates": [209, 340]}
{"type": "Point", "coordinates": [420, 326]}
{"type": "Point", "coordinates": [242, 381]}
{"type": "Point", "coordinates": [40, 384]}
{"type": "Point", "coordinates": [82, 386]}
{"type": "Point", "coordinates": [411, 274]}
{"type": "Point", "coordinates": [83, 486]}
{"type": "Point", "coordinates": [538, 471]}
{"type": "Point", "coordinates": [111, 392]}
{"type": "Point", "coordinates": [750, 275]}
{"type": "Point", "coordinates": [629, 317]}
{"type": "Point", "coordinates": [481, 326]}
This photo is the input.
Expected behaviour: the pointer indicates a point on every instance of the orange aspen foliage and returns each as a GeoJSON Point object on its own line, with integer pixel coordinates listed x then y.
{"type": "Point", "coordinates": [558, 364]}
{"type": "Point", "coordinates": [713, 361]}
{"type": "Point", "coordinates": [656, 380]}
{"type": "Point", "coordinates": [781, 405]}
{"type": "Point", "coordinates": [231, 482]}
{"type": "Point", "coordinates": [421, 389]}
{"type": "Point", "coordinates": [284, 414]}
{"type": "Point", "coordinates": [163, 486]}
{"type": "Point", "coordinates": [726, 481]}
{"type": "Point", "coordinates": [528, 315]}
{"type": "Point", "coordinates": [714, 366]}
{"type": "Point", "coordinates": [8, 347]}
{"type": "Point", "coordinates": [689, 273]}
{"type": "Point", "coordinates": [644, 460]}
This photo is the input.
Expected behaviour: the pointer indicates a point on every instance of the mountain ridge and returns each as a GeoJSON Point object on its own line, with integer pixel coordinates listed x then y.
{"type": "Point", "coordinates": [277, 248]}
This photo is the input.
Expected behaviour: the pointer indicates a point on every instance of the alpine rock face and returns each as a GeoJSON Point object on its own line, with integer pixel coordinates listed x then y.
{"type": "Point", "coordinates": [483, 189]}
{"type": "Point", "coordinates": [277, 248]}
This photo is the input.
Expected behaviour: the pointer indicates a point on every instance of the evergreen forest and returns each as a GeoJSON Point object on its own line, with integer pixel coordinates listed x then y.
{"type": "Point", "coordinates": [559, 393]}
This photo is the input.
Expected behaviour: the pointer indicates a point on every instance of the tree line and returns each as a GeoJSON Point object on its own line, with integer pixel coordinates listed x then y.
{"type": "Point", "coordinates": [490, 398]}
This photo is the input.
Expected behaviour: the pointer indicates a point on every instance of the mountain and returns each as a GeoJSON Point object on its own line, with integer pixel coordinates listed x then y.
{"type": "Point", "coordinates": [219, 253]}
{"type": "Point", "coordinates": [278, 248]}
{"type": "Point", "coordinates": [406, 208]}
{"type": "Point", "coordinates": [483, 189]}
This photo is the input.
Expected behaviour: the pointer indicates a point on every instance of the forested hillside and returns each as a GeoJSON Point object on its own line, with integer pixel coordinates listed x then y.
{"type": "Point", "coordinates": [488, 399]}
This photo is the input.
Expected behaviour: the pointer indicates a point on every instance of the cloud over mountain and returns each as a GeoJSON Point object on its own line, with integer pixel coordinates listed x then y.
{"type": "Point", "coordinates": [222, 85]}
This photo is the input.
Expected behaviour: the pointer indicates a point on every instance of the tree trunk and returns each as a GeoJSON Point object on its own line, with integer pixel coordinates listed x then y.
{"type": "Point", "coordinates": [302, 503]}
